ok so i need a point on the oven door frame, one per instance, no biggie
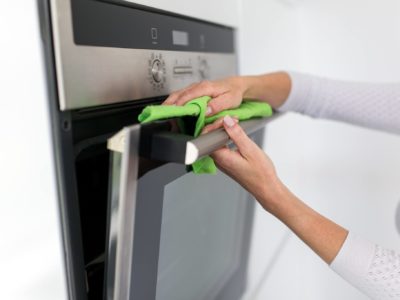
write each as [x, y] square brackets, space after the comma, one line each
[135, 215]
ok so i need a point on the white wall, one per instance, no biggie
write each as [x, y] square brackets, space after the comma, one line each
[349, 174]
[31, 259]
[267, 41]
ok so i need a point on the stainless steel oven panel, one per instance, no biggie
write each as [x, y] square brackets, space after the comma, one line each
[90, 76]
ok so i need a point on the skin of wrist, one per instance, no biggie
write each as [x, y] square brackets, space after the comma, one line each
[279, 201]
[273, 88]
[250, 84]
[243, 84]
[272, 194]
[282, 203]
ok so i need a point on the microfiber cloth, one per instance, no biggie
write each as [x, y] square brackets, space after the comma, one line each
[197, 108]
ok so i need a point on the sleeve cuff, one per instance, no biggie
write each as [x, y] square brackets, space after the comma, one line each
[301, 86]
[306, 96]
[353, 260]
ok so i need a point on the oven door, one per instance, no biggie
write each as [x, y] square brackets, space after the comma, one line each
[174, 234]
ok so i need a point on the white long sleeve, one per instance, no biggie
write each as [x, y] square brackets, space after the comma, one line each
[375, 271]
[370, 105]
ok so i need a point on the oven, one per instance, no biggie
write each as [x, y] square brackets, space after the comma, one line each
[137, 223]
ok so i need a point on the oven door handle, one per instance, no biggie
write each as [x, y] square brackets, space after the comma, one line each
[175, 147]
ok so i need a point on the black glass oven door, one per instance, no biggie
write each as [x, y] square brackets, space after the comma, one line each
[174, 234]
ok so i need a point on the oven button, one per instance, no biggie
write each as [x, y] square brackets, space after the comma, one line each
[204, 70]
[157, 70]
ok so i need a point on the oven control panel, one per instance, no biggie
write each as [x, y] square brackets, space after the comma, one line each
[138, 54]
[164, 72]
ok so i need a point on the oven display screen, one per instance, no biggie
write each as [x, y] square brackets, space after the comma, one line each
[180, 38]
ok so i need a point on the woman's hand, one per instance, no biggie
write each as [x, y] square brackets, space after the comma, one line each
[252, 169]
[225, 94]
[272, 88]
[248, 165]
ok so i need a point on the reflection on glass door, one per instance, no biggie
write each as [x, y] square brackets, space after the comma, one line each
[174, 235]
[201, 232]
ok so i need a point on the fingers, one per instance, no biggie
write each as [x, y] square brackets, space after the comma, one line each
[244, 144]
[230, 161]
[225, 93]
[220, 103]
[227, 159]
[204, 88]
[210, 127]
[175, 95]
[219, 123]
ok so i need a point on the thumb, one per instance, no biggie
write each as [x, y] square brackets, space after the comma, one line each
[244, 144]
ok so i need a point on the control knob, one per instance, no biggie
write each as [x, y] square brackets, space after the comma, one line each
[157, 70]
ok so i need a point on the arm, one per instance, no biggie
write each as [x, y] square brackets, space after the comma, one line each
[322, 235]
[370, 105]
[256, 173]
[273, 88]
[372, 269]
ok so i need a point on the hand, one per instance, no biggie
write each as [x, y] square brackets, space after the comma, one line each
[272, 88]
[253, 170]
[248, 165]
[225, 94]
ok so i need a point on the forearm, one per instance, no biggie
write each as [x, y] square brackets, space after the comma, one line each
[372, 269]
[322, 235]
[273, 88]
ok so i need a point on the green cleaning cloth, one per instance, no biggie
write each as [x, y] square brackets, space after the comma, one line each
[197, 108]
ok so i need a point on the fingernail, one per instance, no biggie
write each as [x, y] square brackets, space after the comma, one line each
[208, 111]
[229, 121]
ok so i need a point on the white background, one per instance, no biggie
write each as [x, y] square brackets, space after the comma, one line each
[31, 259]
[349, 174]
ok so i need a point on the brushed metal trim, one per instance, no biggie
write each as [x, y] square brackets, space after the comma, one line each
[90, 76]
[123, 207]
